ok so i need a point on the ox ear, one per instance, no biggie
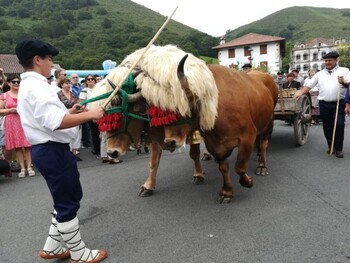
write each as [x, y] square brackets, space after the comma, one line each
[136, 97]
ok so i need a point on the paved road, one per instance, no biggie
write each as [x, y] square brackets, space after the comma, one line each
[299, 213]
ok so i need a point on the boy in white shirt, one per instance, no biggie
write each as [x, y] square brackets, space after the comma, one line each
[49, 126]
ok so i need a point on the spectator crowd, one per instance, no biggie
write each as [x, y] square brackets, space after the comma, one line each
[15, 151]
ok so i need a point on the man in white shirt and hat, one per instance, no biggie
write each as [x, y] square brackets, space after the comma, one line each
[332, 81]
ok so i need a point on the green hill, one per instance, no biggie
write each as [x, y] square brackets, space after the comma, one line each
[300, 24]
[87, 32]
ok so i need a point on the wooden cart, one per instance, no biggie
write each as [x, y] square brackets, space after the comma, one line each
[295, 112]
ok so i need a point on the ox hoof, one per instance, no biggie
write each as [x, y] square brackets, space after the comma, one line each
[224, 200]
[144, 192]
[261, 171]
[198, 180]
[246, 181]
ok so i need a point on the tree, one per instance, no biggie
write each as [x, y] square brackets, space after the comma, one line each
[106, 23]
[84, 15]
[344, 55]
[101, 11]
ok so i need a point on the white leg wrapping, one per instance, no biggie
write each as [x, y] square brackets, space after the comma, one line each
[54, 241]
[70, 233]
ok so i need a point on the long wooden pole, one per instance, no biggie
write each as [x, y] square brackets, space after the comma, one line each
[108, 100]
[335, 123]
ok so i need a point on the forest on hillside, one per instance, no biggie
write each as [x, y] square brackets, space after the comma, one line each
[87, 32]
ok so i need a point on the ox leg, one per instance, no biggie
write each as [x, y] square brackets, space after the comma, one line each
[226, 192]
[262, 164]
[264, 139]
[245, 149]
[198, 176]
[148, 187]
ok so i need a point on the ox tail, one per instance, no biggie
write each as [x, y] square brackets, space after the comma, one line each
[183, 80]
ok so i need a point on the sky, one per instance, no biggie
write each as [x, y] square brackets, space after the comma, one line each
[216, 17]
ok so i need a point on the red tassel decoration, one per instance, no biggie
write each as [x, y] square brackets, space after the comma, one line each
[110, 122]
[160, 117]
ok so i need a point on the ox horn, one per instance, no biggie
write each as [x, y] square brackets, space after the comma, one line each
[131, 97]
[183, 80]
[136, 73]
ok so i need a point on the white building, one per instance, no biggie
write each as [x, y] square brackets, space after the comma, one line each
[306, 56]
[261, 51]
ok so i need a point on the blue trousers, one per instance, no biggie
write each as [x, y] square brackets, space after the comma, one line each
[58, 166]
[327, 114]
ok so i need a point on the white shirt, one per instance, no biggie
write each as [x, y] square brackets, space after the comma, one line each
[328, 83]
[301, 80]
[85, 94]
[41, 111]
[307, 84]
[55, 87]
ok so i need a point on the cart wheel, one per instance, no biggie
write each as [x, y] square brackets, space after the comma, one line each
[302, 121]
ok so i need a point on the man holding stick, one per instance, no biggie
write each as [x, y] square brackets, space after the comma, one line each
[332, 81]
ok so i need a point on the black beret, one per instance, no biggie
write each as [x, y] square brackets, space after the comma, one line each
[247, 65]
[281, 72]
[295, 70]
[29, 48]
[332, 54]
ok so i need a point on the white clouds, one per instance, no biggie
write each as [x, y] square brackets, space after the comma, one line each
[216, 17]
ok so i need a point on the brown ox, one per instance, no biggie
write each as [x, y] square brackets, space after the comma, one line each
[120, 143]
[245, 111]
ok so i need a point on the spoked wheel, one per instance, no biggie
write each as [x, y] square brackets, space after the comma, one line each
[302, 121]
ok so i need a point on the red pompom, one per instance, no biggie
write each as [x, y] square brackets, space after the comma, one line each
[160, 117]
[110, 122]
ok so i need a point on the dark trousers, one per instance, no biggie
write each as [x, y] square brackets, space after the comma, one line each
[95, 137]
[58, 166]
[85, 134]
[327, 114]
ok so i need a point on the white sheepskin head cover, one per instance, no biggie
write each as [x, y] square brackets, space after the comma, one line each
[161, 87]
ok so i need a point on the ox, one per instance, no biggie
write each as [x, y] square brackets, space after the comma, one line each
[229, 108]
[245, 115]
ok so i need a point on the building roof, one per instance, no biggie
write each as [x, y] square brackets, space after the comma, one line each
[10, 64]
[249, 39]
[315, 41]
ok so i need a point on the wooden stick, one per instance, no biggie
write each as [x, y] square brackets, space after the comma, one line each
[108, 100]
[335, 123]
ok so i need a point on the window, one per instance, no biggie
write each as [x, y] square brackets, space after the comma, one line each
[264, 64]
[231, 53]
[305, 67]
[246, 51]
[297, 67]
[305, 56]
[297, 57]
[263, 49]
[315, 67]
[315, 56]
